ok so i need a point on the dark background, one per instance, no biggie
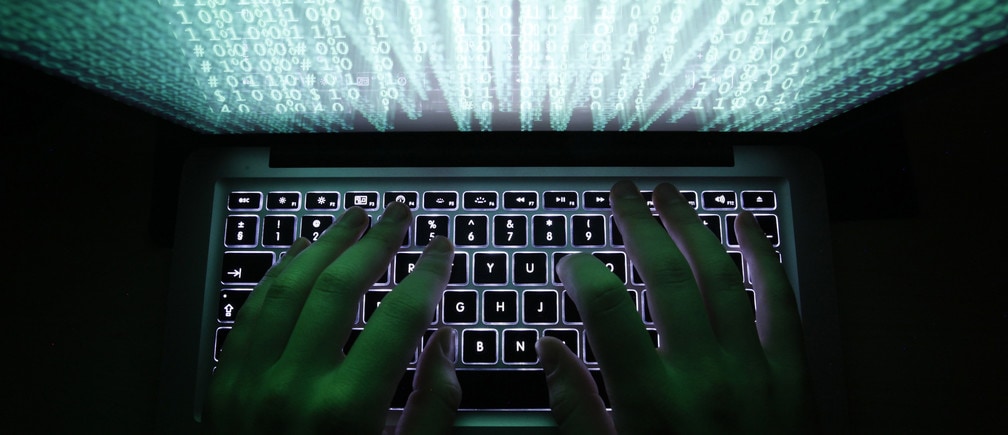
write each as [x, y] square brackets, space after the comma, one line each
[916, 194]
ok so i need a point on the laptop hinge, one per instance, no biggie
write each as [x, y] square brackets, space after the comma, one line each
[452, 149]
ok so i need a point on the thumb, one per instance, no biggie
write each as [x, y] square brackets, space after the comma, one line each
[436, 394]
[573, 395]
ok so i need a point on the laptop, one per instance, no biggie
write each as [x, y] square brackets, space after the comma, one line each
[502, 125]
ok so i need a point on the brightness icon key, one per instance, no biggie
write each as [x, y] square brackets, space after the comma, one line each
[322, 201]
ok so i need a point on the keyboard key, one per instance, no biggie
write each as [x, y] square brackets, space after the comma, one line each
[719, 200]
[713, 223]
[549, 230]
[241, 231]
[739, 263]
[245, 201]
[460, 269]
[569, 337]
[245, 267]
[767, 222]
[615, 262]
[495, 389]
[691, 198]
[570, 311]
[479, 346]
[635, 277]
[430, 226]
[539, 306]
[519, 346]
[617, 236]
[404, 264]
[521, 200]
[503, 389]
[759, 200]
[556, 259]
[372, 300]
[230, 302]
[752, 299]
[529, 268]
[648, 198]
[654, 337]
[490, 268]
[364, 200]
[440, 200]
[322, 201]
[312, 226]
[510, 230]
[279, 231]
[408, 198]
[479, 200]
[647, 307]
[500, 306]
[459, 306]
[289, 201]
[588, 230]
[471, 230]
[560, 200]
[596, 200]
[219, 338]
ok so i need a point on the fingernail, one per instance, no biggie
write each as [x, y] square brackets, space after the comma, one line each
[396, 212]
[352, 217]
[625, 189]
[299, 245]
[547, 355]
[448, 344]
[668, 193]
[439, 244]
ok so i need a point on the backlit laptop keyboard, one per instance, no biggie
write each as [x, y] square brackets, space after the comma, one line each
[503, 293]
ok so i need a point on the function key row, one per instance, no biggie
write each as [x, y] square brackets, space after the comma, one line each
[484, 200]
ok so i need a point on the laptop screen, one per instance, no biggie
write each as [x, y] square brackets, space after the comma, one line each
[282, 66]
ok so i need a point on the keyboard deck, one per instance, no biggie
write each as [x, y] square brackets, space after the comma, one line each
[503, 293]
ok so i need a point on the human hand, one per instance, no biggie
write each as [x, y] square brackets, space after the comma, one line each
[282, 368]
[715, 371]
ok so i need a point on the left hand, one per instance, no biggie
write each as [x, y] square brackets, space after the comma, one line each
[283, 369]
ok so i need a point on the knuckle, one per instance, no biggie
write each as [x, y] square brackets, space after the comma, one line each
[337, 278]
[286, 287]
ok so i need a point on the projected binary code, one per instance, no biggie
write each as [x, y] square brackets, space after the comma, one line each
[327, 65]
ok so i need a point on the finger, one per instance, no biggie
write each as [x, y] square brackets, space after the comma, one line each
[719, 280]
[618, 339]
[573, 394]
[238, 339]
[675, 301]
[777, 318]
[325, 320]
[280, 305]
[436, 395]
[379, 356]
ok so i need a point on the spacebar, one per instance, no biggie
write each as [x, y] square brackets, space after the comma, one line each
[503, 389]
[497, 389]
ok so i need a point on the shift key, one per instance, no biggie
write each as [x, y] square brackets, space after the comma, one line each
[245, 267]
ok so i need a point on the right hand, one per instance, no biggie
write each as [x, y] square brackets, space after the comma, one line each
[715, 369]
